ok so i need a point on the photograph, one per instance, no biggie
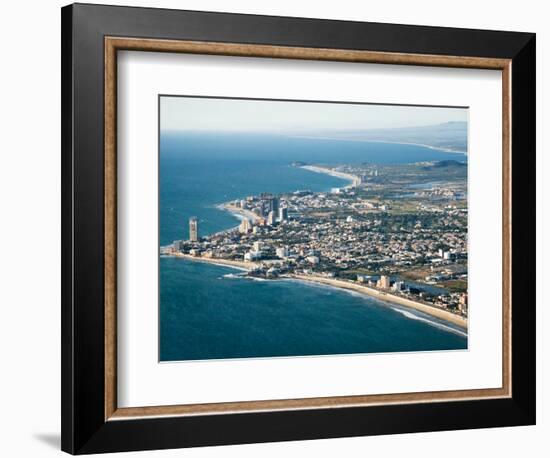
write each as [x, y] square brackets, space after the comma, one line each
[282, 226]
[300, 228]
[275, 229]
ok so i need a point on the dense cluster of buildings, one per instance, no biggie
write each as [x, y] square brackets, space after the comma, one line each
[344, 234]
[258, 211]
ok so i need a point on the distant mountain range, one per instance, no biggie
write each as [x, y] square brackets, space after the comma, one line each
[451, 135]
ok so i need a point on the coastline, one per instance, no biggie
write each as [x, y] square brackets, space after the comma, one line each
[342, 284]
[367, 140]
[239, 213]
[436, 148]
[355, 180]
[241, 265]
[388, 297]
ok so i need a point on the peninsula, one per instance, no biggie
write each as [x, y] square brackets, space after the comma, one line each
[395, 232]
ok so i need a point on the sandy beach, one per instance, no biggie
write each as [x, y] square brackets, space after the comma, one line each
[242, 265]
[355, 180]
[388, 297]
[342, 284]
[437, 148]
[240, 212]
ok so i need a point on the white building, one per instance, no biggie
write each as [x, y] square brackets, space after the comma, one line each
[282, 252]
[313, 259]
[252, 256]
[245, 227]
[384, 282]
[193, 229]
[398, 286]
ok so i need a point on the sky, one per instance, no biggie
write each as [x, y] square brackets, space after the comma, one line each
[238, 115]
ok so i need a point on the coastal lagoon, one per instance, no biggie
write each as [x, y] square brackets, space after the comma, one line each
[211, 312]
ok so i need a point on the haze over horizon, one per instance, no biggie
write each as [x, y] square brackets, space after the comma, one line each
[296, 117]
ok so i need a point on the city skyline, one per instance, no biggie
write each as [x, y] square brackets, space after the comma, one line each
[311, 228]
[347, 237]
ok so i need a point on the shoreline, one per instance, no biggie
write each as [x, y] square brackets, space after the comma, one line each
[342, 284]
[241, 265]
[366, 140]
[355, 180]
[384, 296]
[436, 148]
[387, 297]
[239, 213]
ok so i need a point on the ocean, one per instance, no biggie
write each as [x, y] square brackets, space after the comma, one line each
[210, 312]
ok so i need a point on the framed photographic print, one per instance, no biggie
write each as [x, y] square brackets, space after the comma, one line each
[282, 228]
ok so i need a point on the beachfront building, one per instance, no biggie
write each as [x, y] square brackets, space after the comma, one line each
[398, 286]
[193, 229]
[384, 282]
[250, 256]
[245, 227]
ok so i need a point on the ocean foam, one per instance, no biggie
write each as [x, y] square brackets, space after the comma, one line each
[433, 323]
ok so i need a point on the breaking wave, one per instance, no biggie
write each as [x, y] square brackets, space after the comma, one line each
[433, 323]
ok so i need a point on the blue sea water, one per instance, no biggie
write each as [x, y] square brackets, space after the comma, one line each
[208, 312]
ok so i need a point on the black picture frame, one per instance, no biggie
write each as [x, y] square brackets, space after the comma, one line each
[84, 427]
